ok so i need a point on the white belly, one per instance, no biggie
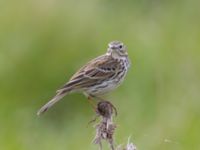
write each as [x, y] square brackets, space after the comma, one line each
[105, 87]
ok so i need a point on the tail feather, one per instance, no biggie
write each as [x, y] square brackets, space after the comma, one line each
[51, 103]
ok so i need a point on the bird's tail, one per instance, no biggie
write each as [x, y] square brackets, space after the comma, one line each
[54, 100]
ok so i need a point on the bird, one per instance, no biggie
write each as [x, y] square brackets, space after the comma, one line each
[98, 77]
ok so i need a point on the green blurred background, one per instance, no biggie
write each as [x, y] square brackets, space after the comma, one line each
[43, 42]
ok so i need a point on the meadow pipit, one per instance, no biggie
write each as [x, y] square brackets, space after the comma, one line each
[98, 76]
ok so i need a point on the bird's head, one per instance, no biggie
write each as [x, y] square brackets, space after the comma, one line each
[117, 49]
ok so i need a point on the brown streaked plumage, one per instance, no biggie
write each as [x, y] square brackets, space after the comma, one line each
[98, 76]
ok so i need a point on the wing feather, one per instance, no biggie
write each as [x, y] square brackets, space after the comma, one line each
[92, 73]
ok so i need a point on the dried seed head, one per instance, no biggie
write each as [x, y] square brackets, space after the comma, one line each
[105, 128]
[105, 109]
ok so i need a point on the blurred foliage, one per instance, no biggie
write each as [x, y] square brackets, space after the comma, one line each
[43, 42]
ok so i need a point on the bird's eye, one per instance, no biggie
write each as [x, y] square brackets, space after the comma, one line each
[120, 46]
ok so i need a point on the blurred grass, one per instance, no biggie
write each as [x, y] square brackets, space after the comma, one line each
[42, 43]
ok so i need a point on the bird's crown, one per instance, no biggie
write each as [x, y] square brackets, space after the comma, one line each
[117, 48]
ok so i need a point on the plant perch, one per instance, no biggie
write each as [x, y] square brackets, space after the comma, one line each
[105, 128]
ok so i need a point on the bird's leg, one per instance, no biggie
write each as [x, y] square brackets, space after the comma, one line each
[89, 98]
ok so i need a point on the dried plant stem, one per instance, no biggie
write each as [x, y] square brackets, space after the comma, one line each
[105, 129]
